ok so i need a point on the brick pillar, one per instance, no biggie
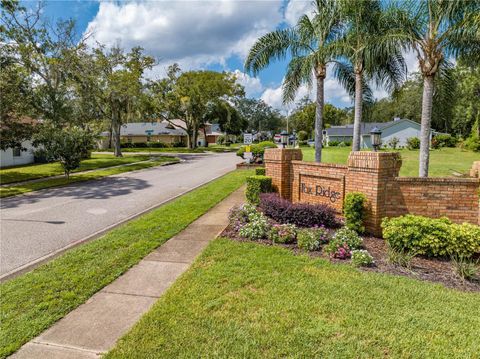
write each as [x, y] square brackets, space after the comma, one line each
[278, 165]
[475, 171]
[369, 173]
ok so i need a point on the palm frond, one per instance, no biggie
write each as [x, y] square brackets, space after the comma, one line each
[300, 71]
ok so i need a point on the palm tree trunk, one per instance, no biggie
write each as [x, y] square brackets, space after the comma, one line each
[319, 118]
[358, 112]
[427, 101]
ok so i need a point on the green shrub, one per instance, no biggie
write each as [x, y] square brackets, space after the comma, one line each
[361, 258]
[444, 140]
[257, 185]
[337, 248]
[283, 233]
[431, 237]
[256, 228]
[333, 143]
[302, 135]
[260, 171]
[473, 143]
[354, 211]
[465, 268]
[413, 143]
[308, 240]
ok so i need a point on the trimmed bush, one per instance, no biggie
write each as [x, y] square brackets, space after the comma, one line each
[354, 211]
[444, 140]
[283, 233]
[257, 185]
[431, 237]
[299, 214]
[260, 171]
[342, 243]
[308, 240]
[413, 143]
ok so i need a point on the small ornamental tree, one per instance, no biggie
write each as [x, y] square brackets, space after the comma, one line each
[67, 146]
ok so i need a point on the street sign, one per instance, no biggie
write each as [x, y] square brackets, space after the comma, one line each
[247, 138]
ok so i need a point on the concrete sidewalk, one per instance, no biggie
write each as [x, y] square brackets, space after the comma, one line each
[95, 326]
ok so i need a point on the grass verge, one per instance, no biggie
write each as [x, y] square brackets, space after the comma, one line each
[80, 177]
[443, 161]
[244, 300]
[31, 303]
[34, 171]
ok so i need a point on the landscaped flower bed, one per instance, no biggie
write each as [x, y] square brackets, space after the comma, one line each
[316, 230]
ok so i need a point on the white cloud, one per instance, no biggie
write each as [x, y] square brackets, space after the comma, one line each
[253, 85]
[295, 9]
[192, 33]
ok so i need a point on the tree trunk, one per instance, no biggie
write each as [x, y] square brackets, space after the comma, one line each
[357, 122]
[189, 140]
[110, 137]
[319, 119]
[116, 136]
[205, 135]
[427, 101]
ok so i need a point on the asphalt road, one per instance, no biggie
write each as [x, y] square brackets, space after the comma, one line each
[37, 225]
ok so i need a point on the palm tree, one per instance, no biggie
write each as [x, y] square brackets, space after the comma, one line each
[437, 30]
[309, 46]
[368, 49]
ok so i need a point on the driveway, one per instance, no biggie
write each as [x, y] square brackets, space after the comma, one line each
[37, 225]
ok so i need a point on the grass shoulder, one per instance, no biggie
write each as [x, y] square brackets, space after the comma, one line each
[32, 302]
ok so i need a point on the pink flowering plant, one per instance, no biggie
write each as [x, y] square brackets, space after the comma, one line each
[283, 233]
[343, 242]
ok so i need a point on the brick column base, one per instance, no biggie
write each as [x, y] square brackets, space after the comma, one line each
[278, 165]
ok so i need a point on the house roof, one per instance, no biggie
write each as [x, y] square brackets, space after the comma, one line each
[150, 128]
[366, 127]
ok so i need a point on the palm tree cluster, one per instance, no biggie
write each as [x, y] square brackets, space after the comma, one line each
[363, 41]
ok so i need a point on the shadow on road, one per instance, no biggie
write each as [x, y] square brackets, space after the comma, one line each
[98, 189]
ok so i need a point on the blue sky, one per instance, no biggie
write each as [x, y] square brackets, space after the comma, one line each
[196, 34]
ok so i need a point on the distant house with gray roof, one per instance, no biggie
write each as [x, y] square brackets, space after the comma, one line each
[402, 129]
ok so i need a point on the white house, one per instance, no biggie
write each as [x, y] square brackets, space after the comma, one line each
[402, 129]
[16, 157]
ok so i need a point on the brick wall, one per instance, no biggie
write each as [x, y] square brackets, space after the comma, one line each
[455, 198]
[319, 183]
[376, 175]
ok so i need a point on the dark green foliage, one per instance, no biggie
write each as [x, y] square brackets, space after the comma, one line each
[260, 171]
[444, 140]
[354, 211]
[431, 237]
[68, 146]
[413, 143]
[257, 185]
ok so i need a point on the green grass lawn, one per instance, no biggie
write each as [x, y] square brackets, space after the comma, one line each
[30, 172]
[32, 302]
[443, 162]
[14, 190]
[244, 300]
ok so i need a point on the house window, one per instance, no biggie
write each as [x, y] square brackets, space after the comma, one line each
[148, 138]
[129, 140]
[17, 152]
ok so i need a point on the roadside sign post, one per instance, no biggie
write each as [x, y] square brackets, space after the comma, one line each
[247, 140]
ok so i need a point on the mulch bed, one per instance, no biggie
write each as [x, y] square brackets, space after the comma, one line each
[426, 269]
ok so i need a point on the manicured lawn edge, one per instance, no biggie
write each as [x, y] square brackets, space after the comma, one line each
[15, 190]
[31, 303]
[242, 299]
